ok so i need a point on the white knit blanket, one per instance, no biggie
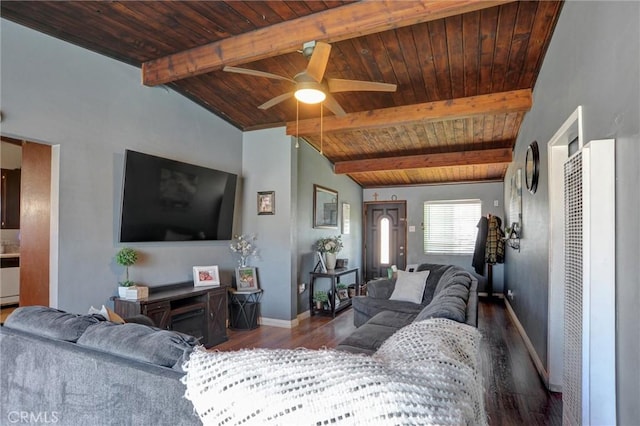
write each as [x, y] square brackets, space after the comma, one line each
[426, 373]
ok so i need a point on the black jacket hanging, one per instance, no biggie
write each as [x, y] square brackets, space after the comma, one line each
[481, 241]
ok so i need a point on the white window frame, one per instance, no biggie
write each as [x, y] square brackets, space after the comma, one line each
[452, 239]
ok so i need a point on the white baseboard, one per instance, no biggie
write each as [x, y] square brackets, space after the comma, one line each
[532, 352]
[284, 323]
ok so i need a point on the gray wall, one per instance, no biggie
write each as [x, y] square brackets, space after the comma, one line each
[415, 197]
[269, 165]
[313, 168]
[594, 61]
[94, 108]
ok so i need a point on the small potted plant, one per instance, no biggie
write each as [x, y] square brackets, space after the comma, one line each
[320, 297]
[126, 257]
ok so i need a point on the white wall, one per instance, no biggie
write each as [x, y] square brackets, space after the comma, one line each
[417, 195]
[593, 61]
[94, 108]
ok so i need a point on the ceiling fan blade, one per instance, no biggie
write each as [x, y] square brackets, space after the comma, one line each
[276, 100]
[331, 103]
[318, 62]
[340, 85]
[257, 73]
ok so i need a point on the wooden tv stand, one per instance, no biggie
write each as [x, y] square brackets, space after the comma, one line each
[198, 311]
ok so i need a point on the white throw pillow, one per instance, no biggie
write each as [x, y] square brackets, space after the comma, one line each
[410, 286]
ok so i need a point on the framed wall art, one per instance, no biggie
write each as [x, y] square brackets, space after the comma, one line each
[325, 208]
[204, 276]
[346, 218]
[266, 202]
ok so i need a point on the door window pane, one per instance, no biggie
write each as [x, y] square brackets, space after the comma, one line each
[384, 240]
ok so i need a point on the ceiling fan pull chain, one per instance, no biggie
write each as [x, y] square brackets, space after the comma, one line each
[321, 141]
[297, 119]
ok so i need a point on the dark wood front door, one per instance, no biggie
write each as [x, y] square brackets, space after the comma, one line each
[385, 237]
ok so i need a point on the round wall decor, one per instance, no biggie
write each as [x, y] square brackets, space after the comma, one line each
[532, 167]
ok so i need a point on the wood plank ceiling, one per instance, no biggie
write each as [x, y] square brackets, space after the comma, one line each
[465, 72]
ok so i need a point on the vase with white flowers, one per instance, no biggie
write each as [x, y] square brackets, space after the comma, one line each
[244, 245]
[330, 247]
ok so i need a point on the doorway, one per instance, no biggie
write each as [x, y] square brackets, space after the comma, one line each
[38, 223]
[385, 237]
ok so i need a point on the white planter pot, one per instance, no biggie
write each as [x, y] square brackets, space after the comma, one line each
[122, 292]
[330, 260]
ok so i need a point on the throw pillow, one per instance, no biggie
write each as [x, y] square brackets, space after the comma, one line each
[50, 322]
[410, 286]
[140, 342]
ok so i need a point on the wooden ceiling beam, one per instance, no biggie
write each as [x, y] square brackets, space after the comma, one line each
[453, 109]
[332, 25]
[461, 158]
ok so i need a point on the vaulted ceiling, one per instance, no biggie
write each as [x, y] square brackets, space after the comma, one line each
[464, 70]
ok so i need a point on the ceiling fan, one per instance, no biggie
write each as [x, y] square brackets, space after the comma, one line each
[310, 85]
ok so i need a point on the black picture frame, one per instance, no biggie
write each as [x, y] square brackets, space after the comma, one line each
[266, 202]
[532, 167]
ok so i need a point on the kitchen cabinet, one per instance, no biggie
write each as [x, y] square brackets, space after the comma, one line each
[10, 193]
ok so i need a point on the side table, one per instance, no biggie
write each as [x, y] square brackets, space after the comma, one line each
[244, 306]
[334, 276]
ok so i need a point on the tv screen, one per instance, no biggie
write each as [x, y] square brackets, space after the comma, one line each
[167, 200]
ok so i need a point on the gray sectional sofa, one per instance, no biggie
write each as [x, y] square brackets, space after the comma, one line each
[450, 292]
[69, 369]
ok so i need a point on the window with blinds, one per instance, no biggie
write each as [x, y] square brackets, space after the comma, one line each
[450, 227]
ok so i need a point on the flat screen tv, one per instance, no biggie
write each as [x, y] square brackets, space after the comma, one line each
[167, 200]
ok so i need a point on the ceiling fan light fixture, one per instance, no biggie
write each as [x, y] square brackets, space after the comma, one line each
[310, 95]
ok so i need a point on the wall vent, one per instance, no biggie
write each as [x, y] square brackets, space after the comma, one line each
[573, 246]
[589, 385]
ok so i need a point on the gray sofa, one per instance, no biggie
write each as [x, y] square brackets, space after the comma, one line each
[450, 292]
[72, 369]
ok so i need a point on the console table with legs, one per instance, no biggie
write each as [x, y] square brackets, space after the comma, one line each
[198, 311]
[334, 276]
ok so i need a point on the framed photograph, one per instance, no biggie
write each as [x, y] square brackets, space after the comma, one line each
[204, 276]
[343, 294]
[246, 279]
[346, 218]
[325, 208]
[266, 202]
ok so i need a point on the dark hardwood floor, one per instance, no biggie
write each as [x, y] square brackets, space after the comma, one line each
[514, 393]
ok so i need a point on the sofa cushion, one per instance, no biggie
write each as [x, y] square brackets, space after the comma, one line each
[371, 307]
[449, 303]
[369, 337]
[366, 339]
[396, 320]
[410, 286]
[435, 278]
[140, 342]
[50, 322]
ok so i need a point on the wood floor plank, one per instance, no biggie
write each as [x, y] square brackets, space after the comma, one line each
[514, 393]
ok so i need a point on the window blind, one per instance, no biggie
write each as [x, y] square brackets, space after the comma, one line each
[450, 227]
